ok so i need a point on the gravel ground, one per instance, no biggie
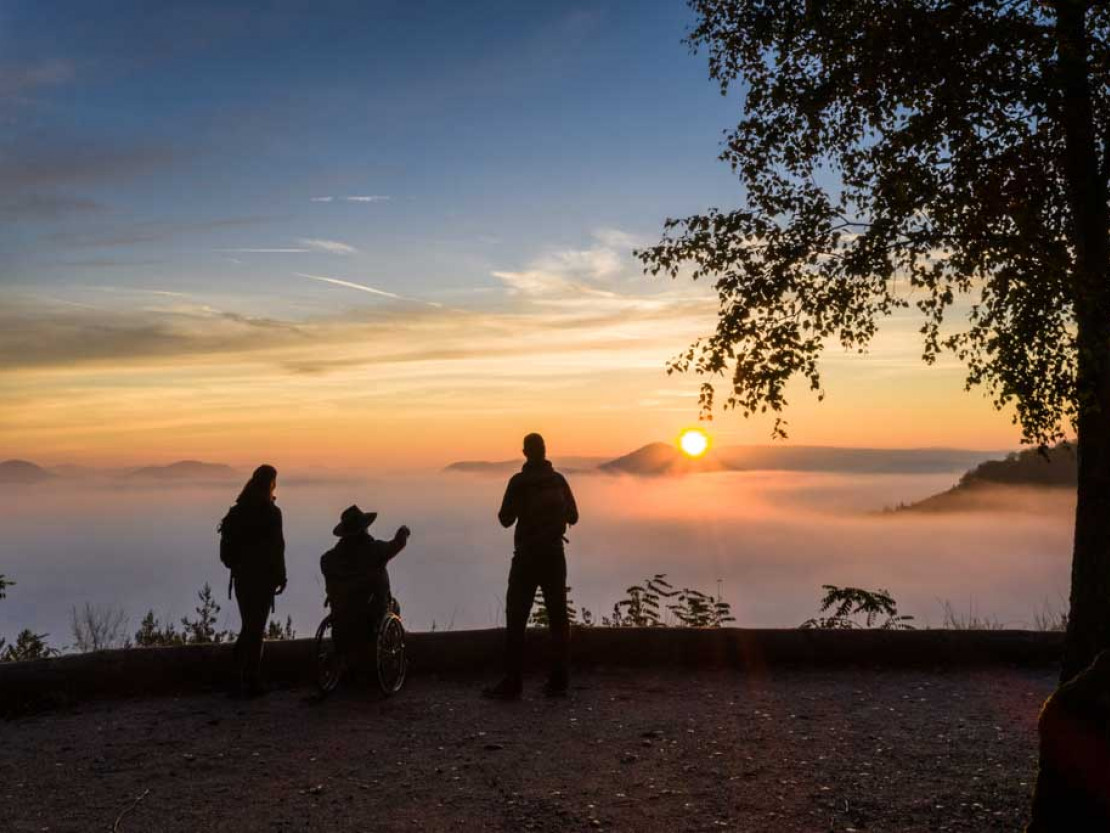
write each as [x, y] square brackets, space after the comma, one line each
[659, 750]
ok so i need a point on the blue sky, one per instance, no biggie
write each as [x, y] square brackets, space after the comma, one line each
[147, 139]
[407, 228]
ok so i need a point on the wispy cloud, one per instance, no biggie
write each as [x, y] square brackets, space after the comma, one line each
[331, 247]
[306, 245]
[594, 271]
[267, 251]
[364, 288]
[354, 198]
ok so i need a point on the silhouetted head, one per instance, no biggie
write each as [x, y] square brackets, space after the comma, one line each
[534, 448]
[260, 488]
[354, 521]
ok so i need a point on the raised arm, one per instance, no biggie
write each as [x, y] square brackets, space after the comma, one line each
[393, 548]
[508, 513]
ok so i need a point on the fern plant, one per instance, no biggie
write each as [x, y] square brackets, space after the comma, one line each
[854, 607]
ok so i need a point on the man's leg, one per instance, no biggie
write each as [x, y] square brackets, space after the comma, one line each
[554, 586]
[518, 605]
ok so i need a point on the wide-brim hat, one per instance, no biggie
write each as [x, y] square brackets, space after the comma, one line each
[353, 521]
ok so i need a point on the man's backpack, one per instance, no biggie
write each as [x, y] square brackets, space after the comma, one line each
[231, 538]
[546, 507]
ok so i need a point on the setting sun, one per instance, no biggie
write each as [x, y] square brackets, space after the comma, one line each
[694, 442]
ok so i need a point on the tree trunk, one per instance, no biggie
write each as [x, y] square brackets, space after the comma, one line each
[1068, 787]
[1089, 618]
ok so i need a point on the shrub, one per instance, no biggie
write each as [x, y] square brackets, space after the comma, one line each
[277, 630]
[876, 607]
[28, 646]
[97, 628]
[203, 630]
[151, 634]
[640, 608]
[539, 618]
[695, 609]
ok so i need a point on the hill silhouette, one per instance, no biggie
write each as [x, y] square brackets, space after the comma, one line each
[988, 485]
[22, 471]
[185, 470]
[507, 467]
[658, 459]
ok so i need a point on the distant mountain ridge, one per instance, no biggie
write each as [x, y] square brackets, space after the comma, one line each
[185, 470]
[660, 459]
[980, 487]
[663, 459]
[564, 464]
[22, 471]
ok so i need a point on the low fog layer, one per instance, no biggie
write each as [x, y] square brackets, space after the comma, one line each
[771, 538]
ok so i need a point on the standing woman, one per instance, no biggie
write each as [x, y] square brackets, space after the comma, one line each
[253, 547]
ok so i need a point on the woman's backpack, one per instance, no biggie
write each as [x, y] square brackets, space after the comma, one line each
[231, 538]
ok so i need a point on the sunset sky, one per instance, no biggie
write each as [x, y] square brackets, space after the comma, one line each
[376, 233]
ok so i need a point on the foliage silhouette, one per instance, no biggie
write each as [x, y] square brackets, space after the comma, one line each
[96, 628]
[641, 606]
[277, 630]
[919, 154]
[970, 621]
[151, 633]
[848, 604]
[203, 630]
[695, 609]
[28, 646]
[539, 617]
[646, 605]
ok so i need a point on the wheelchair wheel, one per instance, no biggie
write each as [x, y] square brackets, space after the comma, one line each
[390, 654]
[329, 664]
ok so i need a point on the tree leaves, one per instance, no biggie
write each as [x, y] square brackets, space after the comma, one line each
[892, 155]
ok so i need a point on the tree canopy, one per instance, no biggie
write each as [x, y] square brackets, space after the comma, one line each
[894, 154]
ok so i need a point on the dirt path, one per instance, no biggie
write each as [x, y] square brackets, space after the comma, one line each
[793, 751]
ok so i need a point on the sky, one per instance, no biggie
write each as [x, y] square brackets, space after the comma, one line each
[377, 234]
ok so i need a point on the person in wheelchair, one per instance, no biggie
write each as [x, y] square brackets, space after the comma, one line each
[357, 580]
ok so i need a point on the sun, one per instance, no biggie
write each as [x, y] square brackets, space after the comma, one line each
[694, 442]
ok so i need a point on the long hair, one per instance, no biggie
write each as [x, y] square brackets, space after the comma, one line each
[257, 489]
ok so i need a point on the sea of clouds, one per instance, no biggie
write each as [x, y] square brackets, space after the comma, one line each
[766, 540]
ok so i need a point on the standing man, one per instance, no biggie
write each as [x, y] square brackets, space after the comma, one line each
[539, 501]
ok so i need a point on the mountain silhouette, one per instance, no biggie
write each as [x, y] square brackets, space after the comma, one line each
[659, 459]
[22, 471]
[185, 470]
[985, 486]
[567, 465]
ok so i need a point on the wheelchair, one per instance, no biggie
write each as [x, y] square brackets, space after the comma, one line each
[389, 665]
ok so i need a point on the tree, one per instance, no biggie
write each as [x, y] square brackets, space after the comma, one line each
[953, 157]
[28, 646]
[96, 628]
[203, 630]
[278, 631]
[151, 633]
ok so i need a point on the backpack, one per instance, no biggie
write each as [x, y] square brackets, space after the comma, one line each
[545, 507]
[231, 538]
